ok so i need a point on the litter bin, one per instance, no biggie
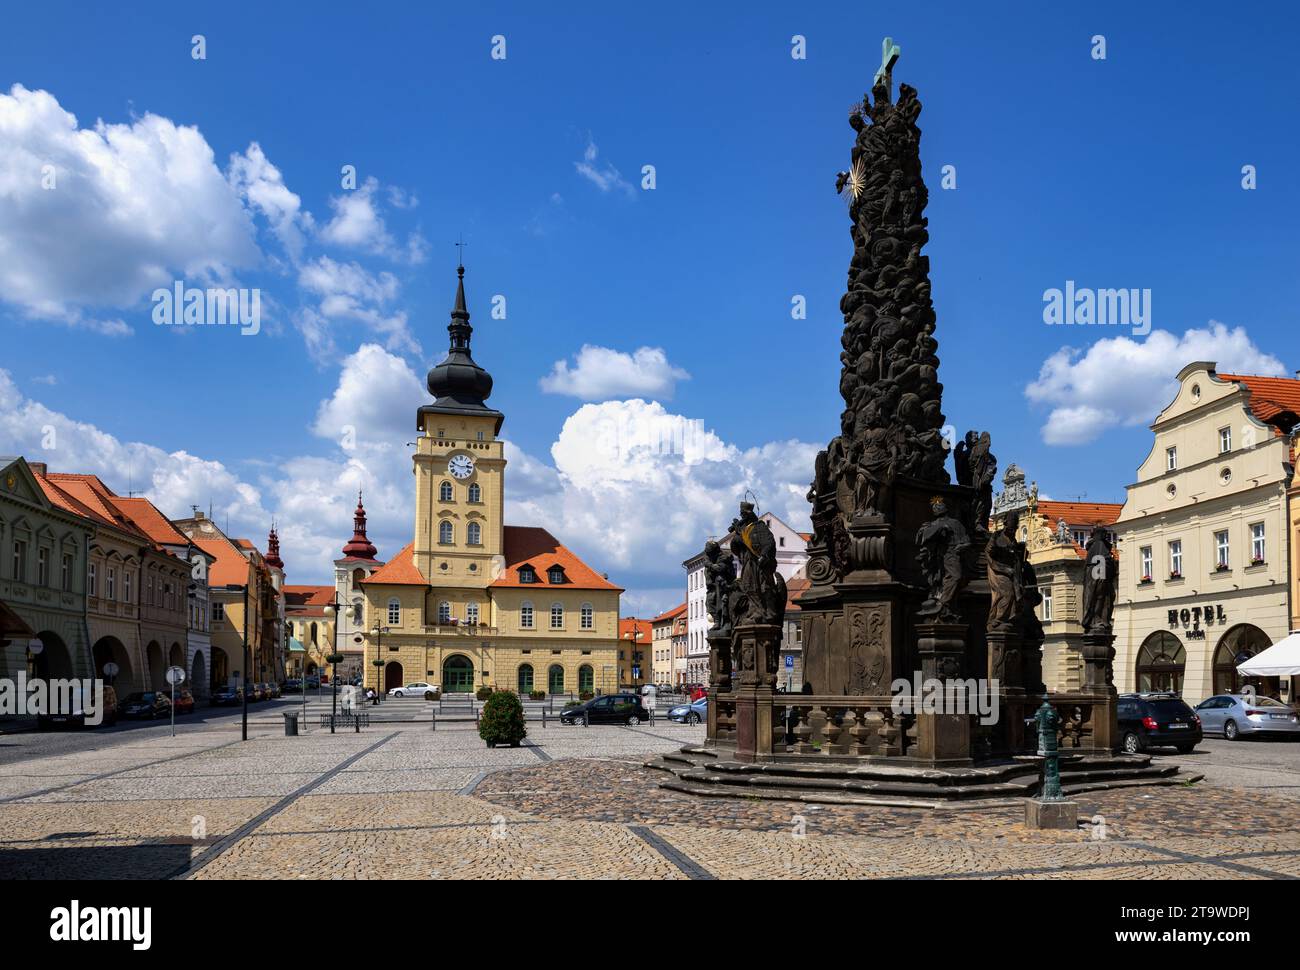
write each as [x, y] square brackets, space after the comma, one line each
[291, 725]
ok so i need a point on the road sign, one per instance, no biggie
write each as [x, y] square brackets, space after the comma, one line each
[175, 675]
[789, 662]
[111, 669]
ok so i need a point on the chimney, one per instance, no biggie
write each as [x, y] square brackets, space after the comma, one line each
[38, 468]
[199, 516]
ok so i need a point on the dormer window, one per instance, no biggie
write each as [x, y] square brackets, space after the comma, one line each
[527, 574]
[555, 575]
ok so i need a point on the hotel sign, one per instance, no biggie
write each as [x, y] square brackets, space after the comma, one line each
[1191, 618]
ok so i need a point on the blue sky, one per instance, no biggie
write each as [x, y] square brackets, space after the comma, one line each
[1122, 172]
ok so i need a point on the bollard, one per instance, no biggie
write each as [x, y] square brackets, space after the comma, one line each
[586, 718]
[356, 719]
[433, 721]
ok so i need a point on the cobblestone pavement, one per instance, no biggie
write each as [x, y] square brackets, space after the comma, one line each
[398, 800]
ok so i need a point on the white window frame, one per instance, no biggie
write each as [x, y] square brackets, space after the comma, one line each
[1225, 440]
[1176, 557]
[471, 613]
[446, 533]
[526, 615]
[446, 493]
[1171, 459]
[1147, 558]
[394, 611]
[474, 534]
[1222, 549]
[444, 612]
[557, 616]
[1258, 543]
[475, 493]
[1046, 592]
[588, 615]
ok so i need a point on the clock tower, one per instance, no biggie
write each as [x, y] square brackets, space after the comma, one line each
[459, 468]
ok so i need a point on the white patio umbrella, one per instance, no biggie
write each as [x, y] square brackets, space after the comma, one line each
[1280, 660]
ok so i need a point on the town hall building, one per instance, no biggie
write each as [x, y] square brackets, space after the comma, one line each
[471, 602]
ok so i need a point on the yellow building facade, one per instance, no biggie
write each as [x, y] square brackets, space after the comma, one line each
[472, 602]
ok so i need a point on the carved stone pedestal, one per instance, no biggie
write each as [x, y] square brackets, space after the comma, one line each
[942, 738]
[1042, 814]
[719, 681]
[1005, 674]
[756, 651]
[1098, 680]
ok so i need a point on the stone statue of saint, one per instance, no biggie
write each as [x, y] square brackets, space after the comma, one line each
[759, 594]
[1100, 579]
[719, 581]
[941, 545]
[1006, 568]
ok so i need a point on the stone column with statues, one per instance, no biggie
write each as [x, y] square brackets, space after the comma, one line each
[1100, 582]
[1006, 560]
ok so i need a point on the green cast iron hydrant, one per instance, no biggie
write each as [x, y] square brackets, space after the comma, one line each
[1048, 721]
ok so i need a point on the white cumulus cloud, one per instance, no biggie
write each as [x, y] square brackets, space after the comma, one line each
[599, 373]
[1121, 382]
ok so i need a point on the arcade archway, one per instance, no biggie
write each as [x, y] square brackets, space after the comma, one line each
[1160, 663]
[111, 650]
[458, 675]
[1236, 646]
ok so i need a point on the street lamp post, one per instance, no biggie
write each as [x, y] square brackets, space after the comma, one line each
[379, 632]
[338, 611]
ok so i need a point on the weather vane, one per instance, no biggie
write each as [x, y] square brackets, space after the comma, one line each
[460, 250]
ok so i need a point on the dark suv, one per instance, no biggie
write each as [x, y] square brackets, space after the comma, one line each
[1157, 720]
[608, 709]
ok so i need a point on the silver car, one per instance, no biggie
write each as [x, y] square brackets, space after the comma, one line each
[1234, 715]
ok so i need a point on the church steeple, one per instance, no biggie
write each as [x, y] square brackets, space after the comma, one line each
[272, 557]
[458, 384]
[359, 547]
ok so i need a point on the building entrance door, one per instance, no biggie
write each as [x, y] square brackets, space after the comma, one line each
[458, 675]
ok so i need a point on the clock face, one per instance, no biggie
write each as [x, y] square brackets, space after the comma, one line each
[461, 466]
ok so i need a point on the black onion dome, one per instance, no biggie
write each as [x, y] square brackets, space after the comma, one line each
[459, 385]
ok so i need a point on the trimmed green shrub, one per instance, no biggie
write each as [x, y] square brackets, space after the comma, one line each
[537, 695]
[502, 720]
[484, 693]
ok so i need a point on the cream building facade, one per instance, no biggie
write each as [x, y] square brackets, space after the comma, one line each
[1203, 536]
[472, 602]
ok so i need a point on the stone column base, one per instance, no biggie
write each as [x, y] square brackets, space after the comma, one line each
[1041, 814]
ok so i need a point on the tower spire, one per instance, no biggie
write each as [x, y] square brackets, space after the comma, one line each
[459, 385]
[359, 547]
[272, 557]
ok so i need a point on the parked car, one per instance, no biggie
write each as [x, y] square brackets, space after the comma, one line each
[692, 713]
[312, 681]
[291, 686]
[1157, 720]
[77, 716]
[417, 688]
[1235, 715]
[225, 696]
[184, 702]
[608, 709]
[146, 704]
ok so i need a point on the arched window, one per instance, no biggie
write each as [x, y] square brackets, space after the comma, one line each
[475, 493]
[359, 612]
[557, 616]
[586, 682]
[444, 492]
[1236, 646]
[526, 616]
[313, 633]
[555, 680]
[1160, 663]
[524, 680]
[444, 612]
[471, 614]
[588, 616]
[444, 532]
[394, 612]
[474, 534]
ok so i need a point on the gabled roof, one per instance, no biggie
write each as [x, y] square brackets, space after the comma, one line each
[1080, 513]
[230, 567]
[672, 614]
[307, 600]
[1272, 399]
[527, 546]
[630, 626]
[149, 520]
[91, 498]
[794, 588]
[398, 571]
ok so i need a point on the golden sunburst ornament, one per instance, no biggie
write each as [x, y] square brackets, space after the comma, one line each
[855, 182]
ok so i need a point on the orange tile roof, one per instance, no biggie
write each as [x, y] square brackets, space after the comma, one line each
[672, 614]
[629, 626]
[1081, 513]
[149, 520]
[1270, 397]
[231, 566]
[94, 496]
[524, 545]
[398, 571]
[307, 600]
[795, 588]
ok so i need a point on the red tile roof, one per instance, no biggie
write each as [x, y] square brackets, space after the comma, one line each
[672, 614]
[307, 600]
[231, 566]
[1270, 397]
[795, 588]
[1080, 513]
[398, 571]
[150, 521]
[629, 626]
[538, 548]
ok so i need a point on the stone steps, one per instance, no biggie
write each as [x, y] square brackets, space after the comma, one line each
[700, 771]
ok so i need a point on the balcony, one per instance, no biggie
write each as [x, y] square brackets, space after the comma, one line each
[460, 629]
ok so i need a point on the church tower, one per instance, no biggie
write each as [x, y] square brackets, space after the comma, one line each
[459, 467]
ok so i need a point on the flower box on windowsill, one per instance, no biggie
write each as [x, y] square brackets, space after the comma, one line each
[1146, 581]
[1258, 562]
[1222, 567]
[1173, 576]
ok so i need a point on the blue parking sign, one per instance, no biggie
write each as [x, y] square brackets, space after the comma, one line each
[789, 662]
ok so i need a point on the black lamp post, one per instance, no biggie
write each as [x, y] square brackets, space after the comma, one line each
[339, 611]
[379, 632]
